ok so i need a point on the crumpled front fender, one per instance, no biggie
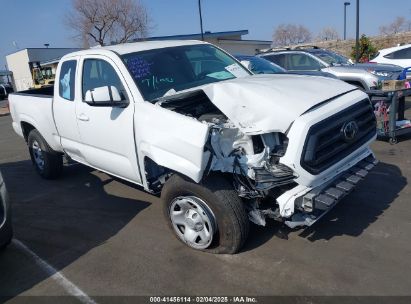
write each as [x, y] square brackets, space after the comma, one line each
[171, 140]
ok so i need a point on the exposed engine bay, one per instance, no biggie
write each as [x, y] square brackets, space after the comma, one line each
[253, 160]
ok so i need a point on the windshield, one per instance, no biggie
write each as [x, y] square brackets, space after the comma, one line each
[331, 58]
[168, 70]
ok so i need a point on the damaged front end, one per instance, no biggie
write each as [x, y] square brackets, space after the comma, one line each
[286, 156]
[252, 160]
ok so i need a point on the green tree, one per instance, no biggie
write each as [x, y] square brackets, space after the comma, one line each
[367, 49]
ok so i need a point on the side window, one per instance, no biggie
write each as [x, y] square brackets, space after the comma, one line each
[302, 62]
[99, 73]
[277, 59]
[66, 79]
[402, 54]
[389, 56]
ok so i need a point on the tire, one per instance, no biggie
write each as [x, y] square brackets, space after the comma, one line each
[225, 217]
[47, 162]
[6, 229]
[9, 236]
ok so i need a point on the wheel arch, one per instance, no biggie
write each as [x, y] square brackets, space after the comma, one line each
[26, 127]
[156, 175]
[156, 158]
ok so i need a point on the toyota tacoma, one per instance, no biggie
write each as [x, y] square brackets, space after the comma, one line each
[186, 120]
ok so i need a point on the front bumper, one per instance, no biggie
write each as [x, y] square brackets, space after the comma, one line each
[313, 205]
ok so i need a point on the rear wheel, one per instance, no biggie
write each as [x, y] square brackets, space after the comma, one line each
[208, 216]
[47, 162]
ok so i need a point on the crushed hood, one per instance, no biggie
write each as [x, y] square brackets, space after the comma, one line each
[270, 103]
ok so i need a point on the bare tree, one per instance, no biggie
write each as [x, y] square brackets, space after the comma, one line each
[397, 26]
[384, 30]
[303, 34]
[282, 35]
[328, 33]
[286, 34]
[104, 21]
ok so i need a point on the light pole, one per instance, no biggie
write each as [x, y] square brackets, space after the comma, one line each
[345, 19]
[201, 20]
[357, 34]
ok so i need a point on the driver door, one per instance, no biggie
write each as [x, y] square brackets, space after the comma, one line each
[107, 129]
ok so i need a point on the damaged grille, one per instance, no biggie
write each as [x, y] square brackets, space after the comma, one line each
[336, 137]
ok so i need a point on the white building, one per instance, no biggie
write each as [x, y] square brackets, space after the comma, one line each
[22, 62]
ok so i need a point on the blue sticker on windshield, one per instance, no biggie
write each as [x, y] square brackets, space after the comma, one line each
[139, 67]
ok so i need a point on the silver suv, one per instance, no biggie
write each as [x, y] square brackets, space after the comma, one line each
[365, 76]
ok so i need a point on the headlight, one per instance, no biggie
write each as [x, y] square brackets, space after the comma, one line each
[381, 73]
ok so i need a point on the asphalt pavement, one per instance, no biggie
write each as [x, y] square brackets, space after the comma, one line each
[108, 238]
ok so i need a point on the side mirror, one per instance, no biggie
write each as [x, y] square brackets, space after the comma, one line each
[107, 96]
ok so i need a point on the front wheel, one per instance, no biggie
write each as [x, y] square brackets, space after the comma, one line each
[208, 216]
[393, 141]
[47, 162]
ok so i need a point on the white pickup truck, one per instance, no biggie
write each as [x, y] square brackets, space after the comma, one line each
[187, 120]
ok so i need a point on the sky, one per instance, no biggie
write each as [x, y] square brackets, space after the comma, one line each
[31, 23]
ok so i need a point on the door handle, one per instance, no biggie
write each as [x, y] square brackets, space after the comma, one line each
[83, 117]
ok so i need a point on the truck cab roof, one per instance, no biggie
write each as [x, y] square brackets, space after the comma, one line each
[127, 48]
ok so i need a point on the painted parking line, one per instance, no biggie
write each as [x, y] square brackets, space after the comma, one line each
[55, 275]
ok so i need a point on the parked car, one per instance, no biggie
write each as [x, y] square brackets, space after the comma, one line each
[187, 119]
[5, 216]
[364, 76]
[259, 65]
[5, 90]
[382, 71]
[399, 55]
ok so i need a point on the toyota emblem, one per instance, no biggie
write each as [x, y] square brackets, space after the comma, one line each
[349, 131]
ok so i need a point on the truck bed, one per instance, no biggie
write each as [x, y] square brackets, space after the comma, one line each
[34, 109]
[45, 91]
